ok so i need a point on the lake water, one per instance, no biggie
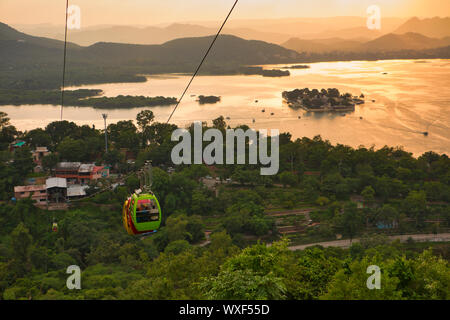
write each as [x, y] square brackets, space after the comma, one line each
[411, 97]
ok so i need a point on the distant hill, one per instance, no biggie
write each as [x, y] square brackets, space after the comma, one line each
[153, 34]
[253, 34]
[10, 34]
[355, 33]
[318, 28]
[269, 30]
[407, 41]
[432, 27]
[228, 50]
[33, 63]
[135, 35]
[322, 45]
[387, 43]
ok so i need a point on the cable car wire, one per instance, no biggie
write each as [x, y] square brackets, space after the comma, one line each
[181, 98]
[123, 179]
[203, 60]
[64, 62]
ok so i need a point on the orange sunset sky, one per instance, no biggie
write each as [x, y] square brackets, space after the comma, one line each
[151, 12]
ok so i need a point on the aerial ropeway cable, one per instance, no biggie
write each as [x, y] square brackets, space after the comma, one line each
[203, 60]
[141, 212]
[64, 61]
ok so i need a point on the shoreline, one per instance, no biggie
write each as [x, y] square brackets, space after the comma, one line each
[237, 103]
[185, 122]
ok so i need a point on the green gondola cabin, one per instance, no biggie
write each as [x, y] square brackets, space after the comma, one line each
[141, 214]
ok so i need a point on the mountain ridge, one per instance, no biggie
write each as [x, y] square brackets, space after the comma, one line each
[431, 27]
[159, 35]
[7, 33]
[30, 62]
[388, 42]
[269, 30]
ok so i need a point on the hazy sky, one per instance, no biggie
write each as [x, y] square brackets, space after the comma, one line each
[150, 12]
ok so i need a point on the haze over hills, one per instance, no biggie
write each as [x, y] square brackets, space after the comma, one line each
[431, 27]
[10, 34]
[149, 35]
[309, 28]
[414, 34]
[389, 42]
[158, 35]
[269, 30]
[407, 41]
[355, 33]
[322, 45]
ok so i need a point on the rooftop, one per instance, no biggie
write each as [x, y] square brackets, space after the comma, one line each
[31, 188]
[98, 168]
[41, 149]
[76, 191]
[56, 183]
[88, 167]
[18, 143]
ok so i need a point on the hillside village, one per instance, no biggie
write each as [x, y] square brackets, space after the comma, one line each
[68, 180]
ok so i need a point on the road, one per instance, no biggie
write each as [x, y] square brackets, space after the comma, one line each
[440, 237]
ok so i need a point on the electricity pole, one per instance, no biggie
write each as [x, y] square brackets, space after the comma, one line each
[105, 116]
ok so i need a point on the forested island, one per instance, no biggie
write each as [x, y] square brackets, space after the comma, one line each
[321, 101]
[208, 99]
[208, 245]
[80, 98]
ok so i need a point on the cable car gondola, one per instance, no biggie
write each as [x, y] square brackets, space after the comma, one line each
[141, 213]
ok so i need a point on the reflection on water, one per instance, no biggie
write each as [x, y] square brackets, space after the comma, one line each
[410, 96]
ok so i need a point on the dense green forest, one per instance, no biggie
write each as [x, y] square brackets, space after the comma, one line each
[180, 261]
[117, 266]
